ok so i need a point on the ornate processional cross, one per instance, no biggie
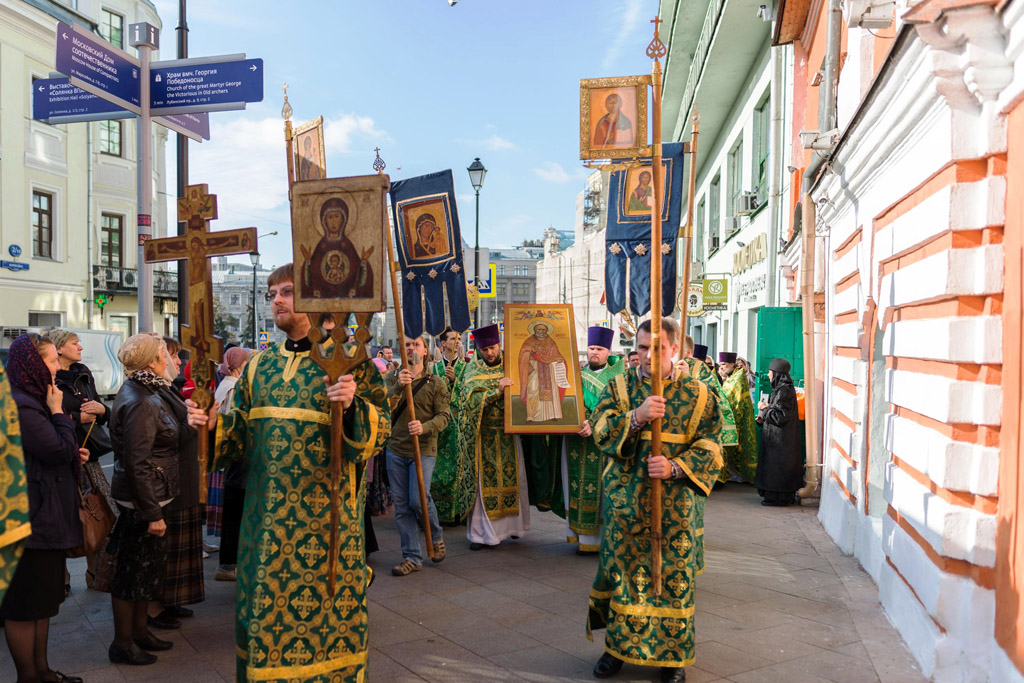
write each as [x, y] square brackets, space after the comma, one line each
[196, 209]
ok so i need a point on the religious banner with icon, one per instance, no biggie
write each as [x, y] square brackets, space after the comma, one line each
[613, 117]
[628, 235]
[310, 156]
[546, 396]
[338, 244]
[429, 245]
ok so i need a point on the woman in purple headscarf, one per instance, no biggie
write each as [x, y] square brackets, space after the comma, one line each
[53, 463]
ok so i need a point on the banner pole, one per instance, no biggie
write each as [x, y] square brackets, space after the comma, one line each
[688, 234]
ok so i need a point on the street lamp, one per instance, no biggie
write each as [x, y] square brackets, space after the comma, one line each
[476, 177]
[255, 258]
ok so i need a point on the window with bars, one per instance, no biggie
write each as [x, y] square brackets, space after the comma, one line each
[762, 117]
[42, 224]
[734, 170]
[111, 240]
[110, 138]
[715, 199]
[112, 27]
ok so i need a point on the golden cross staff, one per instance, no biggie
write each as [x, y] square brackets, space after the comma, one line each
[393, 267]
[339, 362]
[688, 231]
[286, 114]
[196, 209]
[656, 50]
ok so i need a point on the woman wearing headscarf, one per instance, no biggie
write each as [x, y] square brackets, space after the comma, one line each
[780, 464]
[184, 515]
[235, 474]
[83, 405]
[148, 426]
[52, 465]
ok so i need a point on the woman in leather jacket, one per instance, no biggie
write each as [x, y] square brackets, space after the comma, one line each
[148, 424]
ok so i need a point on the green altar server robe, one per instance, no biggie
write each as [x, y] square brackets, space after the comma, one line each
[14, 524]
[741, 455]
[641, 628]
[287, 626]
[450, 488]
[584, 460]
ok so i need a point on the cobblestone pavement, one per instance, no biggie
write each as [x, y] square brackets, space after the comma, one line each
[778, 602]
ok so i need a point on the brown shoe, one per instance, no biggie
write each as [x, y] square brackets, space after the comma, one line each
[439, 551]
[407, 567]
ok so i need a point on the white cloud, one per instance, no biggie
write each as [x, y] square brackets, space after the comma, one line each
[628, 22]
[554, 173]
[496, 143]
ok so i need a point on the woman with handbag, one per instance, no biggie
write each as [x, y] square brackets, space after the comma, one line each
[52, 464]
[147, 424]
[83, 405]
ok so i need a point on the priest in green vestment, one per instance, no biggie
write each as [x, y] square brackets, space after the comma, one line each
[581, 459]
[741, 456]
[501, 505]
[287, 626]
[14, 522]
[642, 628]
[451, 490]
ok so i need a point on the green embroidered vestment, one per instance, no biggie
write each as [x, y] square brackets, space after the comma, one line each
[287, 627]
[741, 456]
[641, 628]
[452, 486]
[14, 522]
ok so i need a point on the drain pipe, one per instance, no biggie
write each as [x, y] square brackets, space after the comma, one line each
[775, 157]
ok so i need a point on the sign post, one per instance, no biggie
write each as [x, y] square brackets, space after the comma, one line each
[146, 38]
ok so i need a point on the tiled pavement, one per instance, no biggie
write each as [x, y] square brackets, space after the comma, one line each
[778, 602]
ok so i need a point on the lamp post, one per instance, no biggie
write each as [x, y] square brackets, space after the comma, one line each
[476, 177]
[255, 258]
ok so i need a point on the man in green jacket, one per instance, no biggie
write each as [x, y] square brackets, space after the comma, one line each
[430, 400]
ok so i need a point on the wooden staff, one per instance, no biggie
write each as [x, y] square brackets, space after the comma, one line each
[688, 232]
[655, 51]
[286, 114]
[393, 267]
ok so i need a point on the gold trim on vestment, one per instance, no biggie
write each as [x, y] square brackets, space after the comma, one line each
[602, 595]
[689, 473]
[296, 414]
[709, 445]
[370, 442]
[648, 611]
[586, 547]
[667, 437]
[306, 671]
[650, 662]
[16, 534]
[698, 411]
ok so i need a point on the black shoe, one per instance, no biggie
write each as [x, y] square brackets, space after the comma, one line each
[153, 644]
[179, 612]
[63, 678]
[476, 546]
[583, 553]
[671, 674]
[163, 621]
[134, 656]
[607, 666]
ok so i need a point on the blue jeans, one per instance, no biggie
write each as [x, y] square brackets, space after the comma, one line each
[405, 491]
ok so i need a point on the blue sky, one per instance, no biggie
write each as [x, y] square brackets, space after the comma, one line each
[433, 86]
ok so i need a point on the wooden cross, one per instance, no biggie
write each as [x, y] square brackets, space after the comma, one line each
[196, 209]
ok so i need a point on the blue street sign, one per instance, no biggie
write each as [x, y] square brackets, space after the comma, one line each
[54, 99]
[195, 126]
[215, 86]
[95, 65]
[13, 265]
[14, 250]
[263, 336]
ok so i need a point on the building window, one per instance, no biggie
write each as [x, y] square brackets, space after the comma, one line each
[715, 199]
[735, 178]
[112, 28]
[698, 231]
[42, 224]
[501, 270]
[762, 117]
[234, 299]
[520, 288]
[501, 289]
[110, 138]
[111, 240]
[45, 319]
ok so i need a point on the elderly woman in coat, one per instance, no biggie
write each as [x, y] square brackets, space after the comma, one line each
[780, 464]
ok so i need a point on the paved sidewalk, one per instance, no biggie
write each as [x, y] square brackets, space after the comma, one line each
[778, 602]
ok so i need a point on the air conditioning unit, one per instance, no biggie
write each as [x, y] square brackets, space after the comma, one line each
[14, 332]
[98, 283]
[696, 269]
[748, 204]
[870, 14]
[110, 275]
[714, 243]
[130, 278]
[734, 227]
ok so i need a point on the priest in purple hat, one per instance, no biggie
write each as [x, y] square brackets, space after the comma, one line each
[582, 461]
[492, 460]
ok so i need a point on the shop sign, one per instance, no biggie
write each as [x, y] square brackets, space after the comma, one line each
[716, 294]
[750, 254]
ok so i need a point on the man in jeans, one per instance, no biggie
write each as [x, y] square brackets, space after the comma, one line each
[430, 398]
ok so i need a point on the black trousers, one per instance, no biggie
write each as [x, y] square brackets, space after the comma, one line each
[234, 502]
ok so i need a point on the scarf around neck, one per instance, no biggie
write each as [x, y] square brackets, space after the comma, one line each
[149, 378]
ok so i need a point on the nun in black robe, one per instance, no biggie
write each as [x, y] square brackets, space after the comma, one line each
[780, 462]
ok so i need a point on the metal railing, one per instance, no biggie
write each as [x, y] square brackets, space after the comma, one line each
[126, 281]
[700, 55]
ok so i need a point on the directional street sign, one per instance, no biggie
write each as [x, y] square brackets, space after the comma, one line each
[183, 86]
[95, 65]
[55, 100]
